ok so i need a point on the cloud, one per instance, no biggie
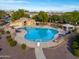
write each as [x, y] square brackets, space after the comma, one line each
[58, 8]
[39, 8]
[32, 6]
[71, 6]
[14, 1]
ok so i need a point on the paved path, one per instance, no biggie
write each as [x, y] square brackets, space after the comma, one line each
[15, 52]
[60, 52]
[39, 53]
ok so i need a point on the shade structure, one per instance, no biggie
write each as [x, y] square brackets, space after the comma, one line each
[68, 26]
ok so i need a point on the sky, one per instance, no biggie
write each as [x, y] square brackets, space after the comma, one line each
[40, 5]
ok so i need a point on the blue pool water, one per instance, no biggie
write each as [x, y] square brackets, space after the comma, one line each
[40, 34]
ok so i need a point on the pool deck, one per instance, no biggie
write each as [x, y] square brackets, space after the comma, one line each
[59, 52]
[20, 39]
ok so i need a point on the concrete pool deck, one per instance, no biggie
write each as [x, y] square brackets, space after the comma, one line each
[20, 39]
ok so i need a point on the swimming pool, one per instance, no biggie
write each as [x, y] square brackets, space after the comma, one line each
[39, 34]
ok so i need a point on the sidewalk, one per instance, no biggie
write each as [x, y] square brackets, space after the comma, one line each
[39, 53]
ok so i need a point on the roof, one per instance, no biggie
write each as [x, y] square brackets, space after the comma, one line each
[68, 25]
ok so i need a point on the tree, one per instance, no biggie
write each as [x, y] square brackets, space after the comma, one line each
[2, 14]
[42, 16]
[18, 14]
[72, 17]
[36, 17]
[54, 18]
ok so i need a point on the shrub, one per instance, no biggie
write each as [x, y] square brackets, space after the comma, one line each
[76, 52]
[8, 32]
[8, 37]
[75, 46]
[23, 46]
[9, 40]
[2, 31]
[12, 43]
